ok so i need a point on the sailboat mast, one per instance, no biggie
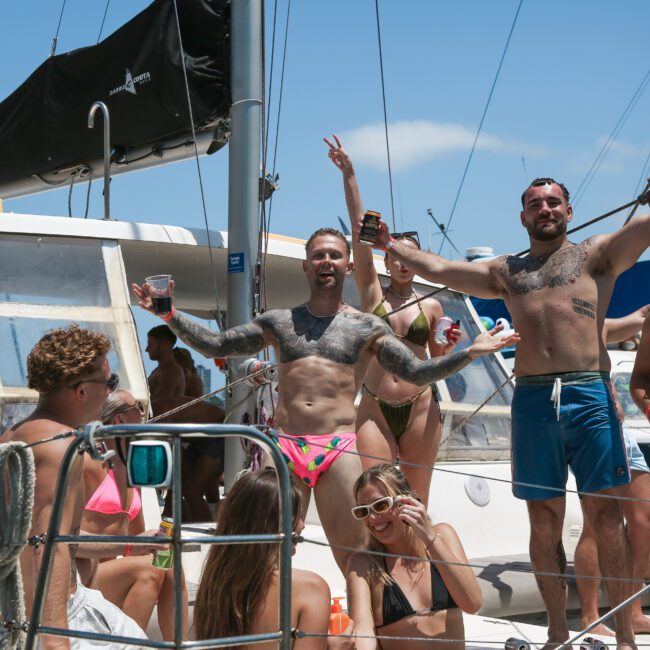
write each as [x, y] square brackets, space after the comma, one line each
[243, 196]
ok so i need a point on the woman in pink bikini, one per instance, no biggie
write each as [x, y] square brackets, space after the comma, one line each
[395, 419]
[113, 508]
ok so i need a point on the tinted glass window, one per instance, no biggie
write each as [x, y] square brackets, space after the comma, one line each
[55, 271]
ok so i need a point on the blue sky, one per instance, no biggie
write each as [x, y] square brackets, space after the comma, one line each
[569, 73]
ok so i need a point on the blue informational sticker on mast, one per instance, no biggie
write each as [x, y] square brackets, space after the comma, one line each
[235, 262]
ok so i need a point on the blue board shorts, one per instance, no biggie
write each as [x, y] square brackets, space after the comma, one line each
[566, 420]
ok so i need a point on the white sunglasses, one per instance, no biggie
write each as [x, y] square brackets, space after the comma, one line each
[379, 507]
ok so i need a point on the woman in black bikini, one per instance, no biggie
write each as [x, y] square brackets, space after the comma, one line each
[395, 418]
[397, 597]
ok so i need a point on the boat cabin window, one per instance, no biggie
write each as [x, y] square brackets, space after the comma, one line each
[52, 271]
[48, 282]
[621, 381]
[485, 436]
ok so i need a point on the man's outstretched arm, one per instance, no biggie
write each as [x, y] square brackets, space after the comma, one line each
[236, 341]
[399, 360]
[640, 381]
[476, 279]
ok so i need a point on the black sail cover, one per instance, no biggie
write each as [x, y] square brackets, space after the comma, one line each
[137, 72]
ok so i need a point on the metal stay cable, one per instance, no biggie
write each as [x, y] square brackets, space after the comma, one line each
[645, 193]
[101, 27]
[436, 468]
[643, 198]
[591, 172]
[55, 39]
[383, 97]
[276, 140]
[480, 126]
[198, 167]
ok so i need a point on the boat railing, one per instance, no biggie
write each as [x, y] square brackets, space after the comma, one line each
[86, 441]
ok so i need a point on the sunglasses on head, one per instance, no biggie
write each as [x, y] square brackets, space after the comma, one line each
[129, 407]
[112, 382]
[379, 507]
[409, 234]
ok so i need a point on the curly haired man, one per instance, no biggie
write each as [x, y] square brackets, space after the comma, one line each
[69, 369]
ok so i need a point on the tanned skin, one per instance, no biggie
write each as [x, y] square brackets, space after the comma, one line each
[323, 349]
[558, 296]
[57, 412]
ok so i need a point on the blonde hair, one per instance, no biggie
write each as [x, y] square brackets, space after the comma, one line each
[64, 355]
[393, 483]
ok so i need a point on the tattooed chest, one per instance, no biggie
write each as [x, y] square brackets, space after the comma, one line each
[561, 268]
[340, 338]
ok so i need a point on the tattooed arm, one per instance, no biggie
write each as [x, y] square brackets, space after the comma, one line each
[236, 341]
[395, 357]
[475, 279]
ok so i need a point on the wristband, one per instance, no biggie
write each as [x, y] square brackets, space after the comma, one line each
[432, 542]
[389, 244]
[128, 550]
[647, 412]
[169, 316]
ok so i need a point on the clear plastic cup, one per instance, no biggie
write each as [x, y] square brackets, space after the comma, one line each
[161, 294]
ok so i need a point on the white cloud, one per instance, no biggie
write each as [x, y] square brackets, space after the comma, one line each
[412, 143]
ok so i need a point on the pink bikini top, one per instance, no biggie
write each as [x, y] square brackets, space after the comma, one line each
[108, 500]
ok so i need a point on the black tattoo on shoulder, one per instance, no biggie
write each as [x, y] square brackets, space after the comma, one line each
[583, 307]
[340, 338]
[399, 360]
[560, 268]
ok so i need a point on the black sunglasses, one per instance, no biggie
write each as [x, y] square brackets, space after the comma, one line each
[112, 382]
[409, 234]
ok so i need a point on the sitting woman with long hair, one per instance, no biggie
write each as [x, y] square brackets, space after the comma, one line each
[404, 597]
[239, 590]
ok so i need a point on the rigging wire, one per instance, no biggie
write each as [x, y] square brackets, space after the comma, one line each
[383, 96]
[266, 116]
[101, 27]
[55, 39]
[198, 167]
[275, 148]
[480, 126]
[604, 150]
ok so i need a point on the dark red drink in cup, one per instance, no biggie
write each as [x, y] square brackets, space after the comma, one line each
[160, 292]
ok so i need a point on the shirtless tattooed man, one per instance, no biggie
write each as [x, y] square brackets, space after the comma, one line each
[323, 348]
[562, 410]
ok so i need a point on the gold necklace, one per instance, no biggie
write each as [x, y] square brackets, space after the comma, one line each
[399, 295]
[338, 311]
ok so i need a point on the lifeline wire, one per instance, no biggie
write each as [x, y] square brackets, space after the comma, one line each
[383, 96]
[564, 490]
[413, 558]
[485, 110]
[198, 167]
[214, 392]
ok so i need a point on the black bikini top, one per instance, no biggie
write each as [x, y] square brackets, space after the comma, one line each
[418, 332]
[395, 605]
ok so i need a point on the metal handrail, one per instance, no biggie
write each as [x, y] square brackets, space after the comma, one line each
[107, 152]
[175, 432]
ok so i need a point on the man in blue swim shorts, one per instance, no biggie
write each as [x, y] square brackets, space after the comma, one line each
[562, 412]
